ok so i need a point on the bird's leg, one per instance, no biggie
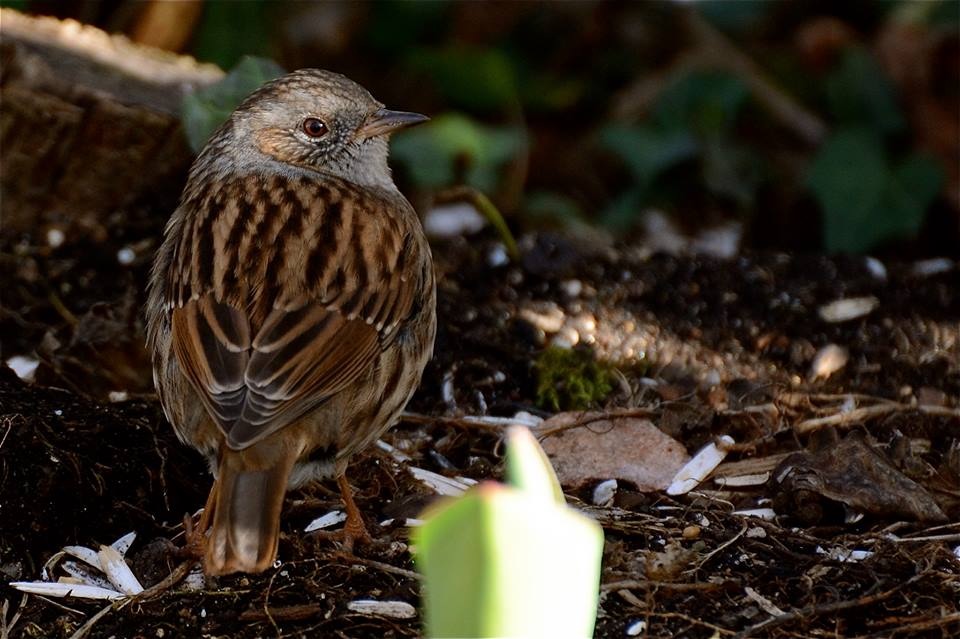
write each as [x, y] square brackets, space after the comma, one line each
[354, 530]
[195, 539]
[196, 536]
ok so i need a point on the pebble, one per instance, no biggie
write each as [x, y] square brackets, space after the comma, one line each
[55, 237]
[604, 493]
[497, 256]
[933, 266]
[691, 532]
[849, 308]
[828, 361]
[876, 268]
[572, 288]
[549, 318]
[452, 220]
[126, 255]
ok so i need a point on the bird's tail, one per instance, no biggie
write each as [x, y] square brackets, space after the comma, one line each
[246, 504]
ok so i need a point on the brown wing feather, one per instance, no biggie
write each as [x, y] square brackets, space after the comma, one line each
[296, 366]
[258, 371]
[212, 341]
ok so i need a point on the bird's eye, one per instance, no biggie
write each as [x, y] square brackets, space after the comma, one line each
[314, 128]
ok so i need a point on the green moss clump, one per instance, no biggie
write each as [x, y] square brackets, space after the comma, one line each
[571, 379]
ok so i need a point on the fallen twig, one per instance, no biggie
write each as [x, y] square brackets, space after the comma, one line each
[85, 629]
[814, 611]
[859, 415]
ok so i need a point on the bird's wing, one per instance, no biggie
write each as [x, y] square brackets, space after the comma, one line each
[255, 375]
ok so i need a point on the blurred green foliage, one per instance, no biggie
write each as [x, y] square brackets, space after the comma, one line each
[455, 149]
[490, 86]
[865, 199]
[500, 84]
[691, 123]
[231, 30]
[510, 560]
[571, 379]
[868, 193]
[860, 94]
[207, 108]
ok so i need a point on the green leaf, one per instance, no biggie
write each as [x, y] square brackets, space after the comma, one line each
[864, 202]
[859, 93]
[706, 101]
[436, 153]
[649, 151]
[848, 177]
[730, 171]
[623, 211]
[230, 30]
[397, 26]
[738, 16]
[545, 207]
[498, 563]
[529, 469]
[489, 85]
[206, 109]
[915, 184]
[502, 561]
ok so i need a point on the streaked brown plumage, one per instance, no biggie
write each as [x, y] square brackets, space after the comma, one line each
[292, 304]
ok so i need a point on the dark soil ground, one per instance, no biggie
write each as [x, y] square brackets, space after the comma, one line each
[705, 347]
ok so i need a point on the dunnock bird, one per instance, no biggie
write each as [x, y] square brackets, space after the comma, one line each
[292, 304]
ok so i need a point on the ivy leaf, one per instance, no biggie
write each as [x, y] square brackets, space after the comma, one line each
[649, 151]
[864, 201]
[859, 92]
[707, 102]
[490, 84]
[206, 109]
[453, 147]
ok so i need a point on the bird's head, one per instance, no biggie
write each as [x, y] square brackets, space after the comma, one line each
[318, 120]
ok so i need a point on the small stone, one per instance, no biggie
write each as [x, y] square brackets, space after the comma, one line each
[572, 288]
[849, 308]
[126, 255]
[828, 360]
[691, 532]
[497, 256]
[604, 492]
[933, 266]
[55, 237]
[876, 268]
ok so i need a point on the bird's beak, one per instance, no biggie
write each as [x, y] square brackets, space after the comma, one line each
[386, 121]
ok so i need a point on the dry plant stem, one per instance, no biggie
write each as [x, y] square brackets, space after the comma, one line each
[85, 629]
[813, 611]
[161, 587]
[859, 415]
[713, 50]
[585, 418]
[725, 54]
[417, 418]
[488, 209]
[907, 630]
[7, 626]
[725, 544]
[695, 622]
[379, 565]
[663, 585]
[283, 613]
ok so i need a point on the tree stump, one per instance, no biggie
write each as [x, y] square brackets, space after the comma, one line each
[89, 125]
